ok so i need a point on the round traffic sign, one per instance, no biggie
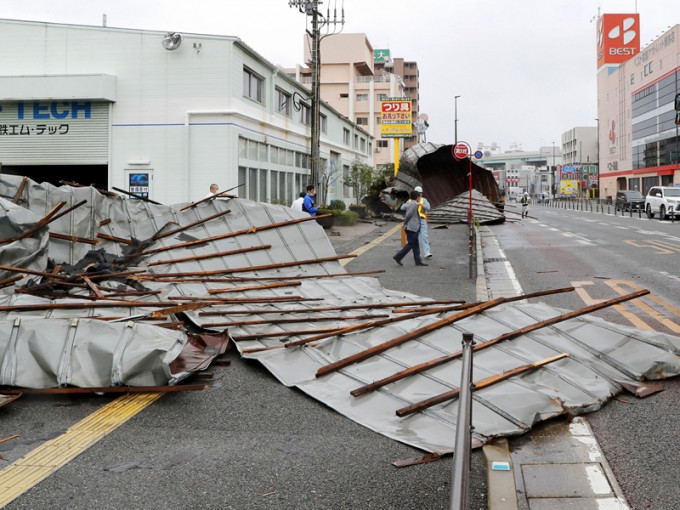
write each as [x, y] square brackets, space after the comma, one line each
[461, 150]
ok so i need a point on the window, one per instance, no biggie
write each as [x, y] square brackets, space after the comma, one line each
[305, 114]
[363, 144]
[323, 123]
[362, 97]
[362, 121]
[252, 85]
[345, 136]
[383, 143]
[344, 96]
[356, 141]
[282, 102]
[382, 97]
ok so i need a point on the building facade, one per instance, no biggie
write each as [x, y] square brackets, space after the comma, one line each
[637, 133]
[355, 78]
[162, 115]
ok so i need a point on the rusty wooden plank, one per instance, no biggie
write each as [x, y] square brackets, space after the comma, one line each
[377, 349]
[17, 195]
[421, 367]
[245, 231]
[234, 324]
[247, 288]
[73, 239]
[236, 279]
[210, 255]
[218, 194]
[11, 269]
[113, 238]
[160, 235]
[246, 269]
[483, 383]
[93, 288]
[143, 199]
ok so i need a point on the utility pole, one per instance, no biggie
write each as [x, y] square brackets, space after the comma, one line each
[333, 26]
[455, 119]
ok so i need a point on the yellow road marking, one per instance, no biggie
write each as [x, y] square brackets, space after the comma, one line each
[372, 244]
[633, 319]
[661, 247]
[616, 285]
[40, 463]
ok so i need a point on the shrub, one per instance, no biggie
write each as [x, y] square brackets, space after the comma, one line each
[337, 205]
[346, 218]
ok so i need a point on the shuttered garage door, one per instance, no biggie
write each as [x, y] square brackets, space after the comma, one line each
[54, 132]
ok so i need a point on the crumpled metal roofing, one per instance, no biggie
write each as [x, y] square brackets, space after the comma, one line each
[270, 277]
[446, 184]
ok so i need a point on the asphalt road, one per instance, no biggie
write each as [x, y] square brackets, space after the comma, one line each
[248, 442]
[604, 255]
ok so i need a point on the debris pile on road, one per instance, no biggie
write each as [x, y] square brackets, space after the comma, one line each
[101, 290]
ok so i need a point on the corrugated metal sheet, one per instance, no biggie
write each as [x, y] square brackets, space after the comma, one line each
[271, 277]
[445, 182]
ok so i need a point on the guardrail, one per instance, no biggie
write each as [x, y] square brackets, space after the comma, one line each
[595, 205]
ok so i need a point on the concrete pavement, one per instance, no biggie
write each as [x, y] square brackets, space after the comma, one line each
[556, 466]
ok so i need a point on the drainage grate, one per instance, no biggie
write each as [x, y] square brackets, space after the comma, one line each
[496, 259]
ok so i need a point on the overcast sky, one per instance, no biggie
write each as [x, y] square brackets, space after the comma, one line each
[525, 70]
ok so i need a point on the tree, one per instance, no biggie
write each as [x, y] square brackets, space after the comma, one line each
[360, 179]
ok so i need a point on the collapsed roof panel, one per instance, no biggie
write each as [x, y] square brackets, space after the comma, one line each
[270, 275]
[446, 184]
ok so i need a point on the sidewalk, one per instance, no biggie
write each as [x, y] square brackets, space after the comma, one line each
[556, 466]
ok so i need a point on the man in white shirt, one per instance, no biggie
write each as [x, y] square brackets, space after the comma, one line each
[297, 203]
[213, 191]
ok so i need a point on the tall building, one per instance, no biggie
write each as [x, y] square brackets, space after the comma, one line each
[639, 144]
[355, 77]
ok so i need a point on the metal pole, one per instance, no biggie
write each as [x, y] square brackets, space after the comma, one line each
[316, 98]
[470, 225]
[460, 493]
[455, 116]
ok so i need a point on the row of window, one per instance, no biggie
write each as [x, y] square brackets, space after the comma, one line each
[253, 85]
[258, 151]
[658, 153]
[263, 185]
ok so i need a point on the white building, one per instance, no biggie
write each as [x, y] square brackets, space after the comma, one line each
[163, 114]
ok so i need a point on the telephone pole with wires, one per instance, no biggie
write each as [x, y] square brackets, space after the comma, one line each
[316, 23]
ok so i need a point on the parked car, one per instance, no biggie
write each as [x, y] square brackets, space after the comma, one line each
[629, 201]
[542, 198]
[662, 200]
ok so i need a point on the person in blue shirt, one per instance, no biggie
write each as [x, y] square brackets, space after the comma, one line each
[308, 203]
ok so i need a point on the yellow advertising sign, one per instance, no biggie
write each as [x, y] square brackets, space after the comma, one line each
[396, 120]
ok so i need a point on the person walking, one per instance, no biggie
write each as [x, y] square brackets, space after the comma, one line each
[308, 203]
[297, 203]
[412, 228]
[525, 204]
[423, 208]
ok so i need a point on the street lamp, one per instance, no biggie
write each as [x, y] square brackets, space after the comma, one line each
[554, 184]
[311, 9]
[455, 121]
[598, 158]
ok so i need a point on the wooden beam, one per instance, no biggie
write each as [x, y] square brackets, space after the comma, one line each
[427, 365]
[487, 381]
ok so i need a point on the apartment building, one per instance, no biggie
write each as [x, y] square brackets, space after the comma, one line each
[355, 77]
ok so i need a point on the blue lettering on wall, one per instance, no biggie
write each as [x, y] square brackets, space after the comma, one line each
[55, 110]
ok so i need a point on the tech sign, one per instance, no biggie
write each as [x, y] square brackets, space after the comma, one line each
[618, 38]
